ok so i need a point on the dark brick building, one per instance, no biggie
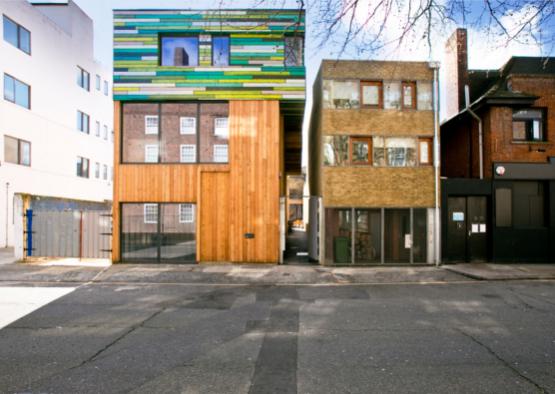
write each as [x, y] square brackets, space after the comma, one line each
[498, 159]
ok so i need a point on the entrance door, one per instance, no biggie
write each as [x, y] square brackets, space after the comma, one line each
[466, 228]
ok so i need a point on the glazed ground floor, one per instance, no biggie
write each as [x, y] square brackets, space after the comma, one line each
[363, 235]
[510, 218]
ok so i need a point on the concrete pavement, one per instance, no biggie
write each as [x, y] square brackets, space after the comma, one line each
[489, 271]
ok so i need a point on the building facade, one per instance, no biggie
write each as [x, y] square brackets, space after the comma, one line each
[373, 182]
[208, 115]
[498, 159]
[56, 113]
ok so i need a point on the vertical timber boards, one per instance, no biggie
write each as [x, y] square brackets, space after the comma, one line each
[213, 229]
[254, 180]
[116, 196]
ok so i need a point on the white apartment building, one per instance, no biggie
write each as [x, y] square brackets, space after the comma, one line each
[56, 113]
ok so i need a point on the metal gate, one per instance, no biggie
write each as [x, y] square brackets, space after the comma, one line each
[77, 233]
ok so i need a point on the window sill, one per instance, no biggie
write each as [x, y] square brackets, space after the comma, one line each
[545, 143]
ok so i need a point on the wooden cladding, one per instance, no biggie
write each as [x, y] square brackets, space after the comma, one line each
[233, 199]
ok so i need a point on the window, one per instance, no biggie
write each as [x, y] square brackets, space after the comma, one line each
[408, 99]
[150, 213]
[528, 125]
[293, 51]
[17, 92]
[151, 124]
[135, 135]
[83, 122]
[180, 51]
[188, 153]
[371, 93]
[221, 127]
[187, 125]
[98, 82]
[83, 78]
[97, 170]
[341, 94]
[425, 151]
[105, 88]
[336, 150]
[105, 172]
[220, 154]
[17, 151]
[111, 173]
[106, 132]
[394, 152]
[186, 213]
[151, 153]
[17, 35]
[360, 149]
[82, 167]
[220, 51]
[97, 132]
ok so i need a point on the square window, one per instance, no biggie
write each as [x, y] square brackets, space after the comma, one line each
[151, 124]
[221, 127]
[188, 153]
[220, 51]
[187, 125]
[372, 94]
[16, 91]
[220, 154]
[151, 153]
[150, 213]
[17, 35]
[360, 150]
[528, 124]
[180, 51]
[186, 213]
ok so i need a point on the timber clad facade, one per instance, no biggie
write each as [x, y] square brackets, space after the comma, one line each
[508, 214]
[209, 108]
[371, 163]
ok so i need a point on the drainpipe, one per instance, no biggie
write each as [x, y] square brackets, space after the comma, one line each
[435, 96]
[480, 135]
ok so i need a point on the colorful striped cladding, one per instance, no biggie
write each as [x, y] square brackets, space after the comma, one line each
[255, 68]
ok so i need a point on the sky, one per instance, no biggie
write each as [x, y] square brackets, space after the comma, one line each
[486, 50]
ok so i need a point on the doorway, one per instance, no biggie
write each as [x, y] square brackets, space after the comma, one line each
[467, 228]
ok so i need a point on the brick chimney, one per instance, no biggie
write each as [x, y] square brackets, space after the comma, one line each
[456, 71]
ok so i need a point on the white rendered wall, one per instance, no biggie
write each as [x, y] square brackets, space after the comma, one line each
[51, 123]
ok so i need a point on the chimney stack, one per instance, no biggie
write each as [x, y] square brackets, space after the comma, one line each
[456, 71]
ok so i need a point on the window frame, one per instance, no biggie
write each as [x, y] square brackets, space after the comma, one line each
[194, 150]
[543, 125]
[106, 89]
[220, 146]
[15, 81]
[80, 174]
[161, 36]
[221, 135]
[97, 170]
[379, 84]
[212, 49]
[82, 74]
[145, 214]
[429, 142]
[194, 127]
[150, 146]
[361, 139]
[82, 115]
[148, 129]
[181, 206]
[412, 85]
[302, 49]
[19, 143]
[19, 27]
[98, 82]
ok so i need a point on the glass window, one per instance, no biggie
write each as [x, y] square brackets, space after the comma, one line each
[221, 127]
[528, 124]
[105, 172]
[180, 51]
[378, 149]
[83, 122]
[97, 132]
[106, 132]
[503, 207]
[151, 124]
[293, 51]
[24, 153]
[341, 94]
[372, 93]
[16, 91]
[17, 35]
[98, 82]
[336, 150]
[133, 134]
[105, 88]
[151, 153]
[220, 154]
[211, 135]
[187, 125]
[338, 235]
[151, 213]
[188, 153]
[83, 78]
[186, 213]
[368, 225]
[82, 167]
[409, 95]
[97, 170]
[220, 51]
[400, 152]
[425, 151]
[360, 149]
[11, 150]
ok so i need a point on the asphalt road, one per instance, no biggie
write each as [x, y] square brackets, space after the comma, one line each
[474, 337]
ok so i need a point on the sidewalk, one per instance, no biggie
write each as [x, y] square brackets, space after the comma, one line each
[488, 271]
[6, 256]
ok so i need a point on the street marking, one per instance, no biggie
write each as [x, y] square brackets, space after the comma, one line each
[16, 302]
